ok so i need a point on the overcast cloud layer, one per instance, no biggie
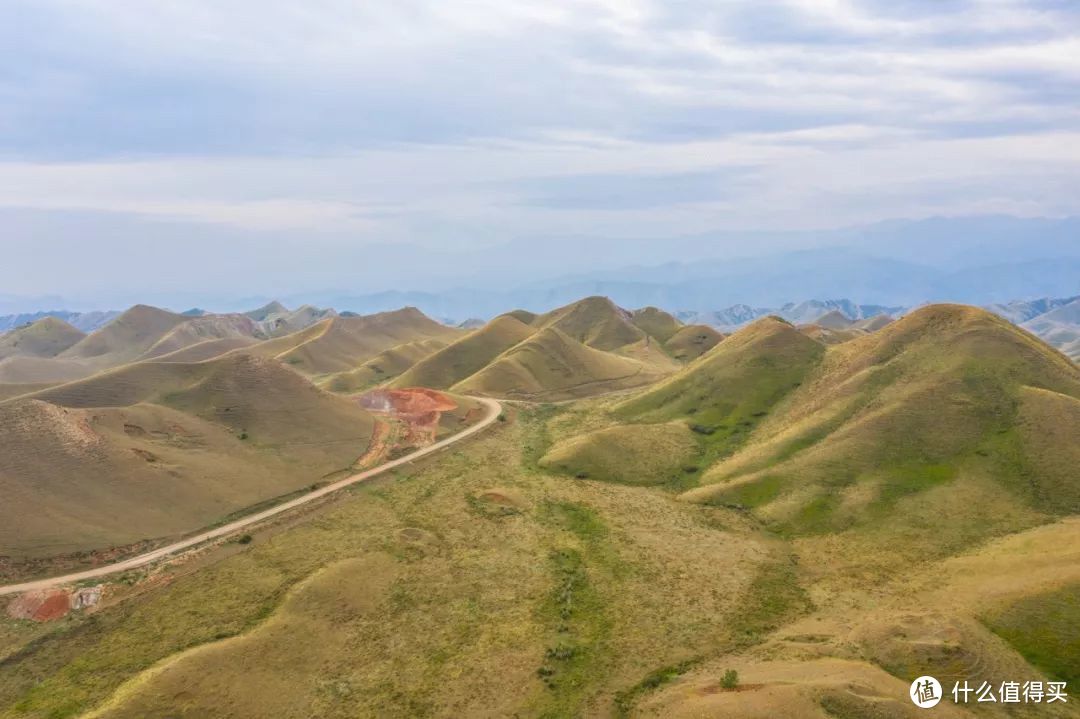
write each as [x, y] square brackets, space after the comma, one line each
[327, 125]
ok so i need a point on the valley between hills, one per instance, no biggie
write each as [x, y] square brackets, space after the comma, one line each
[829, 509]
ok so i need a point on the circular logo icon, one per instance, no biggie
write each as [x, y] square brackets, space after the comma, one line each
[925, 692]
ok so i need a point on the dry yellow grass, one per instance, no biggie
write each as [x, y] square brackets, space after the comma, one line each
[692, 341]
[550, 365]
[416, 598]
[633, 454]
[595, 322]
[382, 367]
[466, 356]
[155, 449]
[47, 337]
[482, 585]
[347, 342]
[197, 330]
[656, 323]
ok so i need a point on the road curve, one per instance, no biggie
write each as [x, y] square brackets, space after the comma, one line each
[494, 409]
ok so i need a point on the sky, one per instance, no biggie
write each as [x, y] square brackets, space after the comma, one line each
[281, 146]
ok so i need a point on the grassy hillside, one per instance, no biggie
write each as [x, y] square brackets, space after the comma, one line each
[22, 370]
[126, 337]
[948, 403]
[724, 393]
[656, 323]
[466, 356]
[829, 336]
[207, 349]
[596, 322]
[468, 586]
[873, 324]
[382, 367]
[155, 449]
[550, 365]
[631, 454]
[900, 504]
[47, 337]
[347, 342]
[692, 341]
[833, 320]
[202, 329]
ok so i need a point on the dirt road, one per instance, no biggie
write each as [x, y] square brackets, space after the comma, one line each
[493, 407]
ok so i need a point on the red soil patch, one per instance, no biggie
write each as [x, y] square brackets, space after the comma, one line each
[419, 408]
[40, 606]
[55, 606]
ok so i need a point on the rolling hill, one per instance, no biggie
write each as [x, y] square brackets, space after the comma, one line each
[203, 329]
[598, 323]
[948, 402]
[126, 337]
[155, 449]
[778, 527]
[141, 332]
[46, 337]
[466, 356]
[550, 365]
[383, 367]
[347, 342]
[588, 347]
[691, 341]
[275, 320]
[736, 381]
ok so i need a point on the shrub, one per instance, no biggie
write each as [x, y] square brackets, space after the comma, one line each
[730, 680]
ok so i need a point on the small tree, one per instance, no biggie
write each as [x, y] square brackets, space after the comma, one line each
[730, 680]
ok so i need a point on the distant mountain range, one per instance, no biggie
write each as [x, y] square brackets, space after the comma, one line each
[1056, 320]
[84, 321]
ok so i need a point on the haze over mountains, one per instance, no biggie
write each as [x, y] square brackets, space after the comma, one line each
[975, 260]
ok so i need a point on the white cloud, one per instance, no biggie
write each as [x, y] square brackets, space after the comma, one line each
[422, 119]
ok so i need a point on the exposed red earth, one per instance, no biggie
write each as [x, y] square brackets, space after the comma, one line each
[418, 408]
[46, 605]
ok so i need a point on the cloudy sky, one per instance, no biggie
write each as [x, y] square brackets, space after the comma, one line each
[186, 138]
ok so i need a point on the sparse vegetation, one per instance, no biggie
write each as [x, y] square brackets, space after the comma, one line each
[490, 580]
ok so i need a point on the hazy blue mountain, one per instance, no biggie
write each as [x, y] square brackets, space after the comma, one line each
[85, 321]
[1023, 310]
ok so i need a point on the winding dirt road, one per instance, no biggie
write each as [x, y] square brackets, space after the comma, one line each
[494, 409]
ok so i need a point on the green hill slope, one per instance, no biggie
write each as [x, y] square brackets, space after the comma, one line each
[596, 322]
[724, 393]
[656, 323]
[382, 367]
[947, 404]
[347, 342]
[466, 356]
[691, 341]
[551, 365]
